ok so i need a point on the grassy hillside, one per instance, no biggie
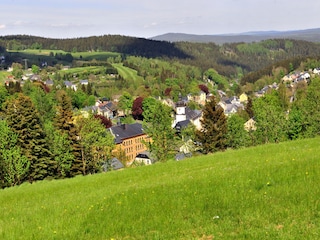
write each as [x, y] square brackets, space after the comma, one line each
[127, 73]
[266, 192]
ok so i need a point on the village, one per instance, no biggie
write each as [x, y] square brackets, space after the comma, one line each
[130, 138]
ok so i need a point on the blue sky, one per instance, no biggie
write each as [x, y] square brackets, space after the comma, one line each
[148, 18]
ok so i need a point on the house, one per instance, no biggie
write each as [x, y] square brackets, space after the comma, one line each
[70, 85]
[200, 98]
[35, 78]
[231, 105]
[250, 125]
[106, 108]
[84, 82]
[130, 139]
[316, 71]
[112, 164]
[185, 115]
[143, 158]
[181, 125]
[243, 98]
[49, 83]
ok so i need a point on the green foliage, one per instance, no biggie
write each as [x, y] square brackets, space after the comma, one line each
[13, 165]
[218, 79]
[237, 136]
[253, 48]
[97, 144]
[125, 102]
[212, 137]
[60, 147]
[44, 102]
[23, 118]
[311, 109]
[64, 122]
[35, 69]
[17, 70]
[295, 123]
[265, 192]
[158, 127]
[270, 118]
[148, 107]
[79, 98]
[3, 95]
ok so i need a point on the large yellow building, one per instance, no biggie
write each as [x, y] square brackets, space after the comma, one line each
[129, 139]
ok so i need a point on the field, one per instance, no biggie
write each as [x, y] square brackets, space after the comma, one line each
[34, 54]
[265, 192]
[127, 73]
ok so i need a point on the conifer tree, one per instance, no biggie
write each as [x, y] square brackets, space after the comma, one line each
[65, 123]
[212, 136]
[23, 119]
[249, 109]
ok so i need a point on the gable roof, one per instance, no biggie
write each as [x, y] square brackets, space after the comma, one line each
[181, 125]
[125, 131]
[192, 114]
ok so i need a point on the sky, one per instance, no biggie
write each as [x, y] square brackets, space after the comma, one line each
[149, 18]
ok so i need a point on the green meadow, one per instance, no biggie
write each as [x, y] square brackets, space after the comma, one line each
[103, 56]
[127, 73]
[265, 192]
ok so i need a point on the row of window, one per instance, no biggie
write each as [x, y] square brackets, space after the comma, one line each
[130, 142]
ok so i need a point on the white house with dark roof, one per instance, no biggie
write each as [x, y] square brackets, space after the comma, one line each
[185, 115]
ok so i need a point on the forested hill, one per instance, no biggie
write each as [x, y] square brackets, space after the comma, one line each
[228, 59]
[113, 43]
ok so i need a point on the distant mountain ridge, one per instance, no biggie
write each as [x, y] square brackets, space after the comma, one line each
[311, 35]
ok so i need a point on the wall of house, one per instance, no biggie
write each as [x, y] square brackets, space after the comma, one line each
[133, 146]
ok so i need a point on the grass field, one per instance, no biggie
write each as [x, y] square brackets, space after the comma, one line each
[265, 192]
[86, 56]
[127, 73]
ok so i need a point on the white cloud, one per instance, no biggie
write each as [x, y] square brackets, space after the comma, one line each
[2, 26]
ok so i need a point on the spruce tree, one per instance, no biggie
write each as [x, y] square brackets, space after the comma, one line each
[23, 119]
[212, 136]
[249, 109]
[64, 122]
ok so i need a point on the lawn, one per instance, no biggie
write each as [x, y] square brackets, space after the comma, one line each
[264, 192]
[86, 56]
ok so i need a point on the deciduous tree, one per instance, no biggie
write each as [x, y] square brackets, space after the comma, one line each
[96, 144]
[137, 108]
[158, 127]
[270, 119]
[237, 136]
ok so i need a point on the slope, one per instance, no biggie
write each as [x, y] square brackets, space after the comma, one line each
[265, 192]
